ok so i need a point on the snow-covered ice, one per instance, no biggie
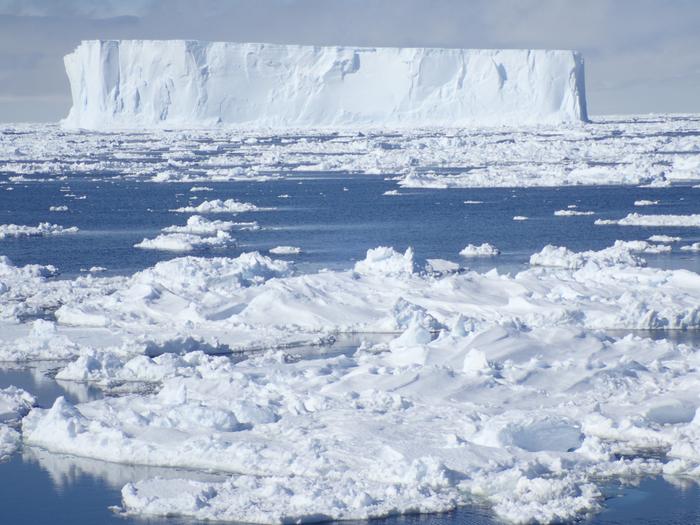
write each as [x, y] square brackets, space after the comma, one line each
[636, 219]
[218, 206]
[482, 250]
[285, 250]
[41, 230]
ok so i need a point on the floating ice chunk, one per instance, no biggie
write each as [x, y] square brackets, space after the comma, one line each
[645, 202]
[572, 213]
[643, 247]
[384, 260]
[200, 188]
[285, 250]
[198, 225]
[482, 250]
[561, 257]
[41, 230]
[473, 202]
[441, 266]
[58, 208]
[391, 192]
[695, 247]
[186, 242]
[218, 206]
[664, 238]
[635, 219]
[520, 218]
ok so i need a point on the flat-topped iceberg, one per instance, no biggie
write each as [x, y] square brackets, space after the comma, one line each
[184, 83]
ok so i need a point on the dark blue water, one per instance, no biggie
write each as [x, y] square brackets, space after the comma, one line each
[334, 219]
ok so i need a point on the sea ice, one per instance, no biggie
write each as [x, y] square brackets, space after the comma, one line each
[41, 230]
[635, 219]
[218, 206]
[285, 250]
[482, 250]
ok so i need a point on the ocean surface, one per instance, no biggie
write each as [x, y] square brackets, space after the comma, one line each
[334, 219]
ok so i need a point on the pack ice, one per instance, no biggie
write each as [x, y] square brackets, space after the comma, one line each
[497, 388]
[184, 83]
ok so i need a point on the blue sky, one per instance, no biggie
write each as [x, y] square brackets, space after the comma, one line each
[641, 55]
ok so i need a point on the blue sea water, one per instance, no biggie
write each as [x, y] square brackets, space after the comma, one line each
[334, 219]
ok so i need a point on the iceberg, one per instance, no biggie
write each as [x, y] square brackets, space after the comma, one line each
[137, 84]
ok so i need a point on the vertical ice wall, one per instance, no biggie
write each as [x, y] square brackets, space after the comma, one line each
[178, 83]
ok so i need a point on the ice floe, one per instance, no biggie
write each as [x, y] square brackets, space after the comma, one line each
[41, 230]
[218, 206]
[635, 219]
[482, 250]
[285, 250]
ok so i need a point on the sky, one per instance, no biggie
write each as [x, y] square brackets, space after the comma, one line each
[641, 55]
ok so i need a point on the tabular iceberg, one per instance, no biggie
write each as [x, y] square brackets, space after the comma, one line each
[192, 84]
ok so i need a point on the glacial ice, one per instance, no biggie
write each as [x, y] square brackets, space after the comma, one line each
[636, 219]
[137, 84]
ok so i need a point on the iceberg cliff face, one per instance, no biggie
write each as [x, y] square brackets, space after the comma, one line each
[183, 84]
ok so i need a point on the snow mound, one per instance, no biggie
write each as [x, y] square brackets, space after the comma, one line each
[183, 83]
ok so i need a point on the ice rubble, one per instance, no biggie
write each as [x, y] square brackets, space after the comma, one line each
[136, 84]
[496, 387]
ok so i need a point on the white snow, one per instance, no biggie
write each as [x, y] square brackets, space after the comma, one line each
[40, 230]
[285, 250]
[139, 84]
[482, 250]
[635, 219]
[218, 206]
